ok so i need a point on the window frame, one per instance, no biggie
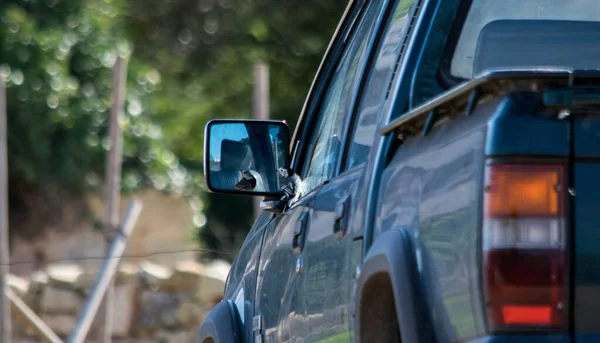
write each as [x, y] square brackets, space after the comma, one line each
[437, 31]
[445, 77]
[358, 82]
[308, 115]
[306, 124]
[377, 38]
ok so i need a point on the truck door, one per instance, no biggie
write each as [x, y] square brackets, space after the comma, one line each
[279, 309]
[353, 103]
[280, 306]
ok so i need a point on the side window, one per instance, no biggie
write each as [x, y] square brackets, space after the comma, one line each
[373, 94]
[322, 160]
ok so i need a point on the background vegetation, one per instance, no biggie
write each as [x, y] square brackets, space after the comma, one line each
[189, 61]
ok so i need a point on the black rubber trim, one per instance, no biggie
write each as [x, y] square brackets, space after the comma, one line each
[221, 325]
[391, 253]
[444, 75]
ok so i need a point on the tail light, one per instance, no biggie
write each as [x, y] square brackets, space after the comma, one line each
[523, 246]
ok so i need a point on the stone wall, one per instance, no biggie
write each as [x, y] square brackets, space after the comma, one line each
[153, 303]
[162, 234]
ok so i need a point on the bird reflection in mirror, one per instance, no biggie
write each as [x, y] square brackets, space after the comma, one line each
[247, 183]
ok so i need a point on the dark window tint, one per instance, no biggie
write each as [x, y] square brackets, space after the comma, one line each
[370, 107]
[528, 34]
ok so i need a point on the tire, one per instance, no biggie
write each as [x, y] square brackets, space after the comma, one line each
[379, 321]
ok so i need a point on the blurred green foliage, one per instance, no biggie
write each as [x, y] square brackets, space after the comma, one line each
[189, 61]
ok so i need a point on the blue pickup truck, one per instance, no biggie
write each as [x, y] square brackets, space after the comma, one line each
[441, 184]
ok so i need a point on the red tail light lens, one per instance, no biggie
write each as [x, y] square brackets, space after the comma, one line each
[523, 246]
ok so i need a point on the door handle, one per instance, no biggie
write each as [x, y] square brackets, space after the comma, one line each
[300, 233]
[340, 224]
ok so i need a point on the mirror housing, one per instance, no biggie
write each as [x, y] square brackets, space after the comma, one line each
[244, 156]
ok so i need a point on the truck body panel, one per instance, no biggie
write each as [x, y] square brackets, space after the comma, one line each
[279, 291]
[586, 223]
[425, 176]
[432, 186]
[326, 260]
[242, 279]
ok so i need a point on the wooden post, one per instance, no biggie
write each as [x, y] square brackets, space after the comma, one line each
[261, 91]
[29, 318]
[113, 187]
[5, 327]
[261, 105]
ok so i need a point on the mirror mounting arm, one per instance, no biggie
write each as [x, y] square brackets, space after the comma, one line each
[273, 204]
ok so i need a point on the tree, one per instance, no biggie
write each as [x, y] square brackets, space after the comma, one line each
[189, 61]
[56, 60]
[211, 46]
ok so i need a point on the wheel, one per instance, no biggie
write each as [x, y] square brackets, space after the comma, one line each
[378, 318]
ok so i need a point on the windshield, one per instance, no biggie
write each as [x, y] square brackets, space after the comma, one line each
[525, 33]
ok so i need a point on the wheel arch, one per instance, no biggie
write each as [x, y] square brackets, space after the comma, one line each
[391, 256]
[222, 325]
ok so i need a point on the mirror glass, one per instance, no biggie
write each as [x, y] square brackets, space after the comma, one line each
[245, 156]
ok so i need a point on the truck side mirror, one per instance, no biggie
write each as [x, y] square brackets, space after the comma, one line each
[244, 156]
